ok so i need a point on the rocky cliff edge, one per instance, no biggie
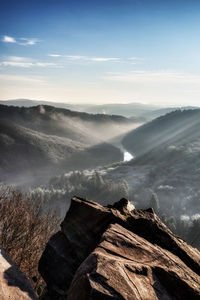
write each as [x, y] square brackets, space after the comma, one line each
[118, 252]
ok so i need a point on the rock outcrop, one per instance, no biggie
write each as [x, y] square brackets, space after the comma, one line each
[14, 285]
[118, 252]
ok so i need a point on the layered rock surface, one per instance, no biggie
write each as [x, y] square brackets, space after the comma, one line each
[118, 252]
[13, 283]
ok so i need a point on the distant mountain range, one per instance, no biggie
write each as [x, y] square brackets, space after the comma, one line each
[137, 111]
[128, 110]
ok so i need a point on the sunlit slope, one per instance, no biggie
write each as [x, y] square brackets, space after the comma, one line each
[176, 129]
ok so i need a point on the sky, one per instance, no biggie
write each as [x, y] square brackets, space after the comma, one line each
[101, 51]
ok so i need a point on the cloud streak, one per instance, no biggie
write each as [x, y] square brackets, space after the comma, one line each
[17, 58]
[102, 59]
[8, 39]
[16, 64]
[24, 62]
[54, 55]
[20, 41]
[28, 42]
[86, 58]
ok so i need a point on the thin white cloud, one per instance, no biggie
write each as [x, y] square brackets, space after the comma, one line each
[24, 62]
[86, 58]
[18, 58]
[20, 41]
[153, 77]
[17, 64]
[92, 59]
[76, 57]
[27, 64]
[8, 39]
[104, 59]
[54, 55]
[28, 42]
[45, 64]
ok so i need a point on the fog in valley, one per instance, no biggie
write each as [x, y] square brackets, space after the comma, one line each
[53, 154]
[40, 142]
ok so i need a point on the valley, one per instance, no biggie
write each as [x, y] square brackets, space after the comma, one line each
[54, 154]
[40, 142]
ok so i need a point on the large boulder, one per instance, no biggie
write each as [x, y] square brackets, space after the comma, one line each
[70, 255]
[14, 285]
[126, 266]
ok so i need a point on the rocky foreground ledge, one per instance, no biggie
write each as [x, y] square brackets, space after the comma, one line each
[118, 252]
[14, 285]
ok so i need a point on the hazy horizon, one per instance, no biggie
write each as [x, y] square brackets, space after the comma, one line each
[99, 52]
[54, 101]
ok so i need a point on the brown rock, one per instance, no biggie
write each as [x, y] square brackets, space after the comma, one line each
[126, 266]
[13, 283]
[82, 229]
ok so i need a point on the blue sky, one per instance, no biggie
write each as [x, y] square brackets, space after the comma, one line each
[113, 51]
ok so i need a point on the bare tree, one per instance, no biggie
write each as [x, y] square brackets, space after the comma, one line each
[24, 231]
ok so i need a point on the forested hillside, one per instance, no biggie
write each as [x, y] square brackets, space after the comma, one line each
[40, 142]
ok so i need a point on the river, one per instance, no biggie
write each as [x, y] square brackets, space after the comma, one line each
[128, 156]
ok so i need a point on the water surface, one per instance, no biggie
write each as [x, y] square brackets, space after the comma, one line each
[128, 156]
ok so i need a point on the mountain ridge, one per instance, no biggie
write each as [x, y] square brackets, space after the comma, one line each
[138, 111]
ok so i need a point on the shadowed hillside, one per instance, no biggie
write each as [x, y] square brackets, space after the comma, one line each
[43, 141]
